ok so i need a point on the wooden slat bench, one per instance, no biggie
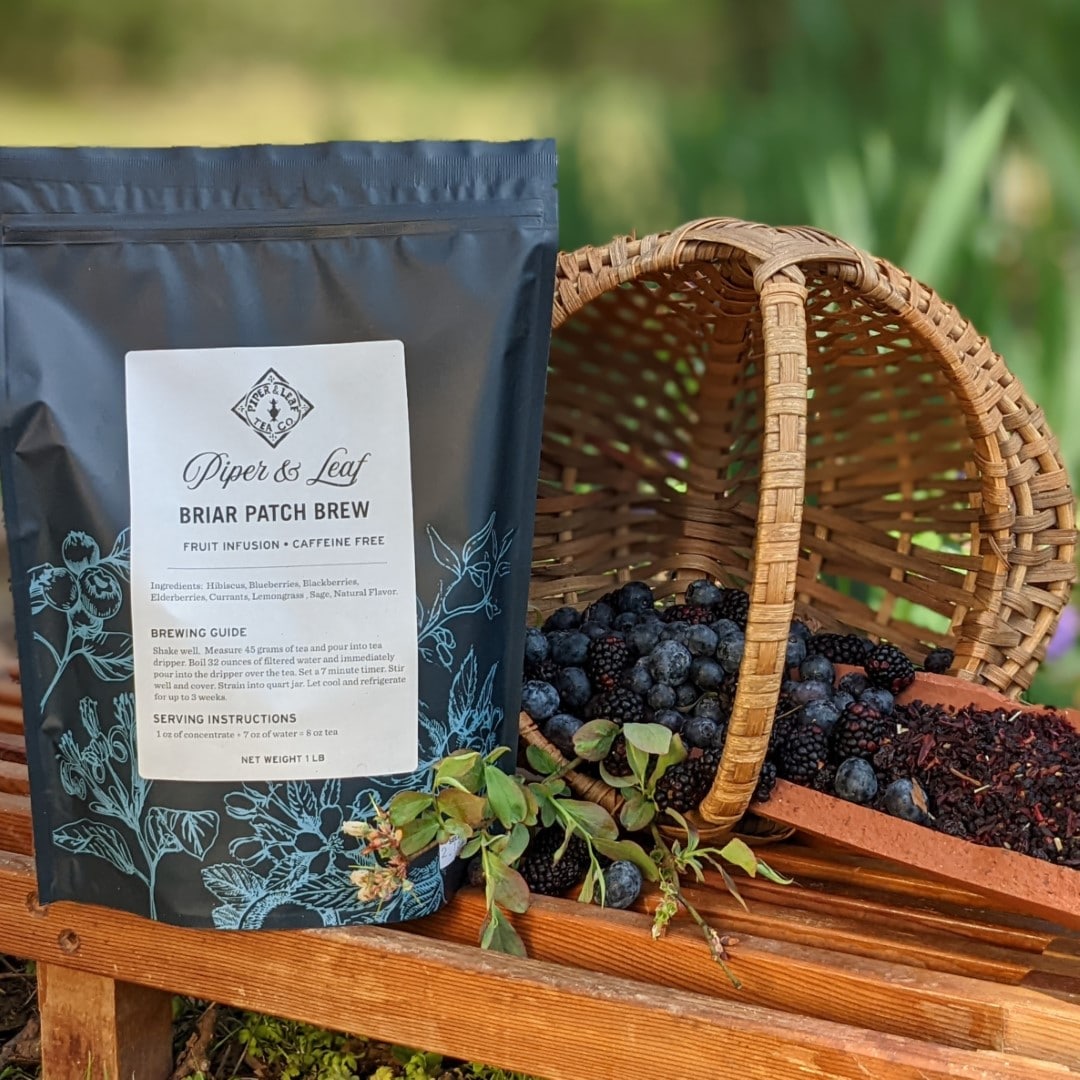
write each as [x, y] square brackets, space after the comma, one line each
[861, 969]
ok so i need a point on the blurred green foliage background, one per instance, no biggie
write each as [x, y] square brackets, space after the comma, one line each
[941, 134]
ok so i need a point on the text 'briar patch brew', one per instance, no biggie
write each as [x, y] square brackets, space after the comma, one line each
[270, 445]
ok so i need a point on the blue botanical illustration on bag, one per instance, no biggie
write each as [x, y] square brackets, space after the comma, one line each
[101, 770]
[476, 570]
[294, 853]
[88, 590]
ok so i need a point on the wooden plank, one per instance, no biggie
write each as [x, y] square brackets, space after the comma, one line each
[947, 1009]
[16, 834]
[11, 719]
[13, 778]
[12, 747]
[459, 1000]
[94, 1028]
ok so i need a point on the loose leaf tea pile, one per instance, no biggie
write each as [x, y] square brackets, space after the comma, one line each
[1004, 779]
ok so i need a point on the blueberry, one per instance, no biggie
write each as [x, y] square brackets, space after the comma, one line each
[564, 618]
[854, 683]
[788, 686]
[601, 612]
[686, 694]
[676, 631]
[700, 731]
[906, 799]
[804, 692]
[880, 699]
[569, 648]
[708, 705]
[670, 663]
[856, 781]
[574, 689]
[634, 596]
[796, 651]
[670, 718]
[539, 699]
[645, 635]
[593, 630]
[625, 621]
[841, 700]
[823, 713]
[799, 629]
[817, 668]
[560, 730]
[701, 640]
[730, 653]
[661, 696]
[706, 673]
[725, 628]
[703, 593]
[537, 649]
[638, 678]
[622, 884]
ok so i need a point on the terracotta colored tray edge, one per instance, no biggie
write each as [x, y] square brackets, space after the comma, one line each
[1029, 885]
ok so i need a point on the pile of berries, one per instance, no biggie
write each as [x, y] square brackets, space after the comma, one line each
[629, 659]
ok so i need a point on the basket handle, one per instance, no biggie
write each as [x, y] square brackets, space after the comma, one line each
[776, 548]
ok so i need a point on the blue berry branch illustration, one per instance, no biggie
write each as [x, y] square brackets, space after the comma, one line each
[102, 772]
[471, 589]
[88, 590]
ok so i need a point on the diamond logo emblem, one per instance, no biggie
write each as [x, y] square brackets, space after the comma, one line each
[272, 408]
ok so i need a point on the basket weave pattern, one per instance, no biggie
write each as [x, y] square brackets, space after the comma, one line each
[780, 411]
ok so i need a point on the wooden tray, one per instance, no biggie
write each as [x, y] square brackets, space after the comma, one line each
[1025, 884]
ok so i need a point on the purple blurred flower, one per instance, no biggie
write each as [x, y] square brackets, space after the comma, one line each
[1066, 634]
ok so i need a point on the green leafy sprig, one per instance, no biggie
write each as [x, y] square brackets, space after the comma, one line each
[489, 813]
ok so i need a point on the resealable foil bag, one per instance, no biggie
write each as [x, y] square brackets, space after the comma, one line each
[271, 433]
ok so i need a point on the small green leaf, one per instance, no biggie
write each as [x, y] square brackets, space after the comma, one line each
[417, 835]
[628, 851]
[464, 766]
[506, 796]
[637, 812]
[767, 872]
[732, 888]
[592, 741]
[498, 752]
[652, 738]
[499, 935]
[588, 885]
[471, 848]
[509, 888]
[516, 842]
[676, 753]
[736, 851]
[462, 807]
[408, 805]
[541, 760]
[638, 761]
[590, 817]
[615, 781]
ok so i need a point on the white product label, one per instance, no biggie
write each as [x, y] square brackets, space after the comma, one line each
[273, 581]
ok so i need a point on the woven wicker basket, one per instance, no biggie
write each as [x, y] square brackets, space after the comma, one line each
[778, 410]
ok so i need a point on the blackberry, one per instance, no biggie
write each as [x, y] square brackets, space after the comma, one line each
[859, 733]
[545, 876]
[734, 605]
[840, 648]
[694, 614]
[824, 780]
[803, 754]
[889, 668]
[939, 660]
[684, 785]
[621, 705]
[545, 671]
[616, 761]
[607, 658]
[766, 782]
[785, 721]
